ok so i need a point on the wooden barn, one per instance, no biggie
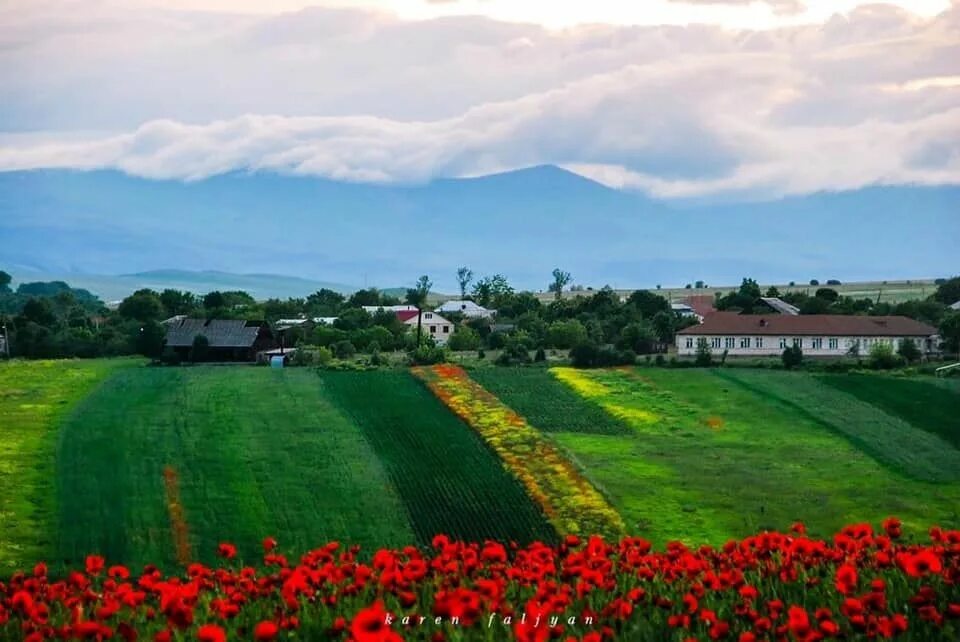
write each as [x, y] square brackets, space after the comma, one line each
[229, 339]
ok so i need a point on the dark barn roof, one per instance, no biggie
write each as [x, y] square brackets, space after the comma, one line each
[221, 333]
[810, 324]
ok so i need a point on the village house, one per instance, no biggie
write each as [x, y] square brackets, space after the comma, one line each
[433, 324]
[229, 339]
[826, 335]
[467, 308]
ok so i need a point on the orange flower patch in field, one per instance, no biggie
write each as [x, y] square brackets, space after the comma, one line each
[567, 498]
[714, 422]
[178, 521]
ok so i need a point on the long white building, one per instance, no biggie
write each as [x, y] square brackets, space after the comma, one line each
[827, 335]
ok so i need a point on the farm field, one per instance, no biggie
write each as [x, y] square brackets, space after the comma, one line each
[710, 458]
[34, 396]
[161, 464]
[450, 481]
[923, 404]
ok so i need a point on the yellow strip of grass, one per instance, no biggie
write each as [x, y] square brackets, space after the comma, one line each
[568, 499]
[34, 396]
[596, 391]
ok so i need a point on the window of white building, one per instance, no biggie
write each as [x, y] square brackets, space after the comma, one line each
[689, 342]
[759, 342]
[816, 343]
[716, 342]
[798, 342]
[744, 342]
[834, 343]
[730, 342]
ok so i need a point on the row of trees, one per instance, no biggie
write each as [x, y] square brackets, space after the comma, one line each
[54, 320]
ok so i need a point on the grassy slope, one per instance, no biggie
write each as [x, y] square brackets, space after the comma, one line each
[450, 481]
[921, 403]
[257, 452]
[890, 440]
[34, 396]
[545, 402]
[762, 467]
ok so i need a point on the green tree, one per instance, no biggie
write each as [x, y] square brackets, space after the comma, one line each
[142, 305]
[882, 356]
[704, 357]
[950, 333]
[948, 292]
[464, 338]
[200, 350]
[908, 350]
[647, 303]
[417, 295]
[5, 280]
[368, 297]
[150, 339]
[176, 302]
[464, 277]
[792, 357]
[664, 326]
[560, 280]
[324, 303]
[566, 334]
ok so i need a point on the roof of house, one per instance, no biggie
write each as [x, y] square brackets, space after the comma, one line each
[221, 333]
[955, 306]
[458, 305]
[373, 309]
[779, 305]
[702, 304]
[810, 324]
[406, 315]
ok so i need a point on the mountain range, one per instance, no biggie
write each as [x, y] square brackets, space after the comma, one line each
[523, 223]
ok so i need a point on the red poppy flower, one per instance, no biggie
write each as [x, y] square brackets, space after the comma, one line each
[94, 564]
[269, 544]
[227, 551]
[266, 631]
[846, 580]
[370, 625]
[211, 633]
[921, 563]
[893, 527]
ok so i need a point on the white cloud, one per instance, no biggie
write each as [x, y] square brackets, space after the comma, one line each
[676, 111]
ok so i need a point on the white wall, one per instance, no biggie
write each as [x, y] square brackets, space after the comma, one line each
[435, 326]
[774, 345]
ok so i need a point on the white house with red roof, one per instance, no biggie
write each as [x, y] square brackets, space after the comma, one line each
[433, 324]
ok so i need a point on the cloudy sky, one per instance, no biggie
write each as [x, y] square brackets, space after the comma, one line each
[702, 98]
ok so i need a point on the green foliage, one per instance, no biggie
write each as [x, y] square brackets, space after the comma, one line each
[344, 350]
[514, 353]
[909, 351]
[882, 356]
[792, 357]
[589, 355]
[948, 291]
[566, 334]
[704, 358]
[464, 338]
[428, 354]
[200, 350]
[448, 479]
[540, 356]
[142, 305]
[560, 280]
[950, 332]
[150, 339]
[464, 277]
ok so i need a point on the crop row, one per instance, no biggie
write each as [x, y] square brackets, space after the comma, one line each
[571, 502]
[448, 480]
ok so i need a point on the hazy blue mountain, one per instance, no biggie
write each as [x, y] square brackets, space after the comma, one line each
[521, 223]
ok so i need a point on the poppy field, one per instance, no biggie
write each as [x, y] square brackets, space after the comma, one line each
[861, 584]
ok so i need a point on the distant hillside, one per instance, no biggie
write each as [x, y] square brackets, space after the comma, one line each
[260, 286]
[522, 224]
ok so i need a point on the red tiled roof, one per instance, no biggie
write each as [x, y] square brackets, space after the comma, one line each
[406, 315]
[810, 324]
[702, 304]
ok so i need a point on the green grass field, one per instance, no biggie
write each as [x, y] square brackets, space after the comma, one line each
[449, 480]
[546, 403]
[908, 449]
[710, 459]
[255, 452]
[921, 403]
[34, 397]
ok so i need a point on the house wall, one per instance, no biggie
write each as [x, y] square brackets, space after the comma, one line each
[434, 325]
[774, 345]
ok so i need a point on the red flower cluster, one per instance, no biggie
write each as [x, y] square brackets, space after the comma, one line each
[863, 584]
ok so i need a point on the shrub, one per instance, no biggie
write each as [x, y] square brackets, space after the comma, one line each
[882, 356]
[584, 355]
[344, 350]
[465, 338]
[515, 353]
[324, 356]
[540, 355]
[792, 357]
[908, 350]
[660, 361]
[481, 354]
[427, 355]
[704, 357]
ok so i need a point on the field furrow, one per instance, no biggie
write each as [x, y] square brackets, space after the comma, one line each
[448, 479]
